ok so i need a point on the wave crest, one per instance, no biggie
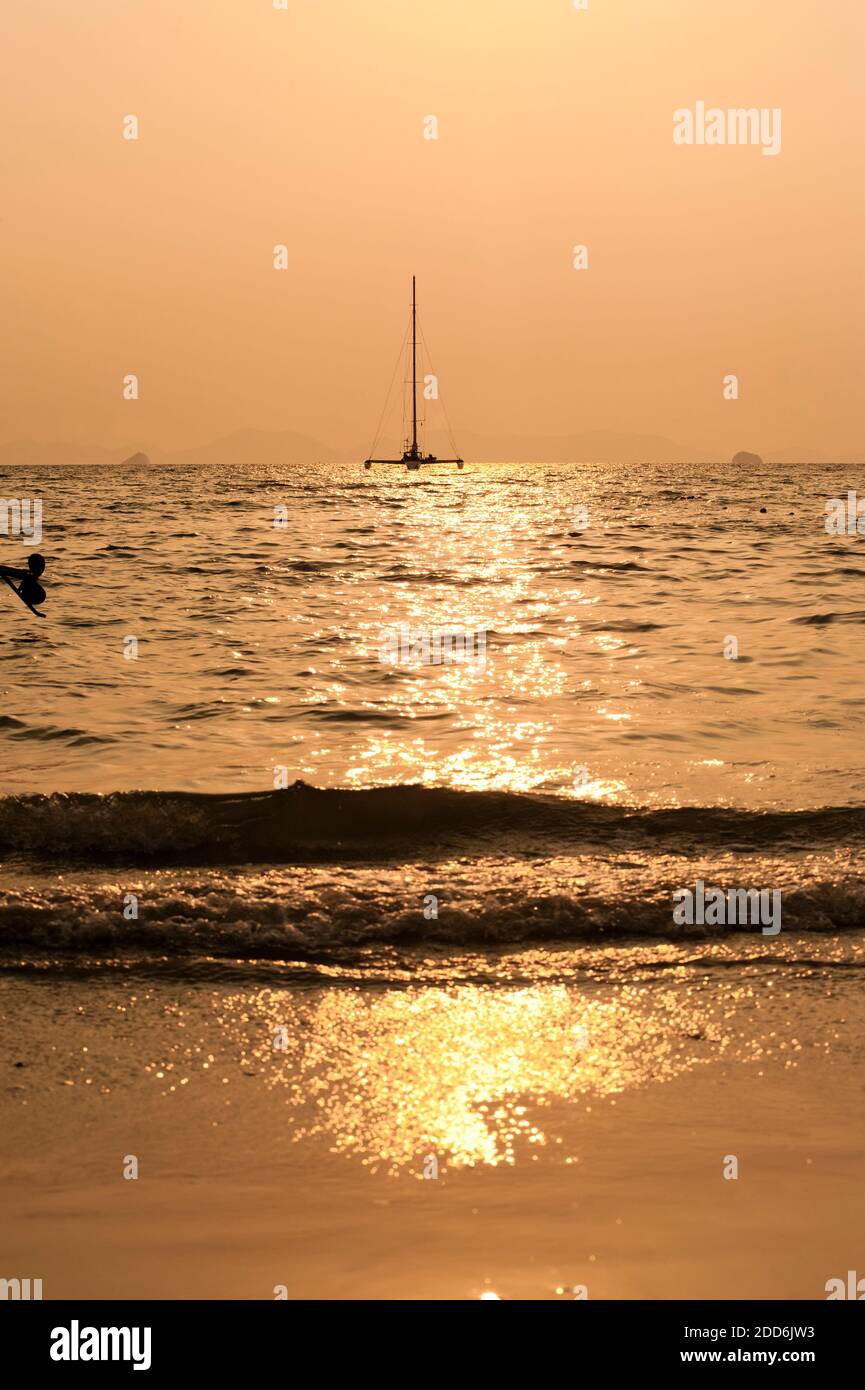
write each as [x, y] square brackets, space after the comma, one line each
[306, 825]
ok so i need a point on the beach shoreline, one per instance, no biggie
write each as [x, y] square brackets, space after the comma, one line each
[264, 1171]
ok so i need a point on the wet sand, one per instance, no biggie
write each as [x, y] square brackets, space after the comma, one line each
[261, 1168]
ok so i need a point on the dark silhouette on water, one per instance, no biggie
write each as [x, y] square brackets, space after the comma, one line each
[29, 590]
[413, 456]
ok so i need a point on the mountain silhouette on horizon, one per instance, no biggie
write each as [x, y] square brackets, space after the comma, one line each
[279, 448]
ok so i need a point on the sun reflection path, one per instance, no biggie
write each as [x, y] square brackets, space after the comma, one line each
[389, 1076]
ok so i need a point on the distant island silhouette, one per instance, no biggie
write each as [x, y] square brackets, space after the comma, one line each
[278, 448]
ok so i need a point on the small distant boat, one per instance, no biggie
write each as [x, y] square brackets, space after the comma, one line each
[413, 456]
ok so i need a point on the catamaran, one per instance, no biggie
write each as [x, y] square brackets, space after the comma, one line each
[413, 456]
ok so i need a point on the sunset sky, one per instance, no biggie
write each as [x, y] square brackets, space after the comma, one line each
[305, 127]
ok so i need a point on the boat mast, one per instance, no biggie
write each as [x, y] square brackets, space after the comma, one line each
[413, 369]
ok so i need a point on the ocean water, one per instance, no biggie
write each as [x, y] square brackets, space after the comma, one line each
[271, 790]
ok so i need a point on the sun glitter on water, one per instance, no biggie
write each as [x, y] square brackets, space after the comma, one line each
[468, 1073]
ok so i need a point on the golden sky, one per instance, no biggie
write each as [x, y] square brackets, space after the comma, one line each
[305, 126]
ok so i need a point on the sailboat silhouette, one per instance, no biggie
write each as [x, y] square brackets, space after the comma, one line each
[413, 457]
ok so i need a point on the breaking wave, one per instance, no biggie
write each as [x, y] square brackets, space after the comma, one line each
[305, 915]
[305, 825]
[310, 875]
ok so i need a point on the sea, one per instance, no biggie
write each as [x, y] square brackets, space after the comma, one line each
[385, 724]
